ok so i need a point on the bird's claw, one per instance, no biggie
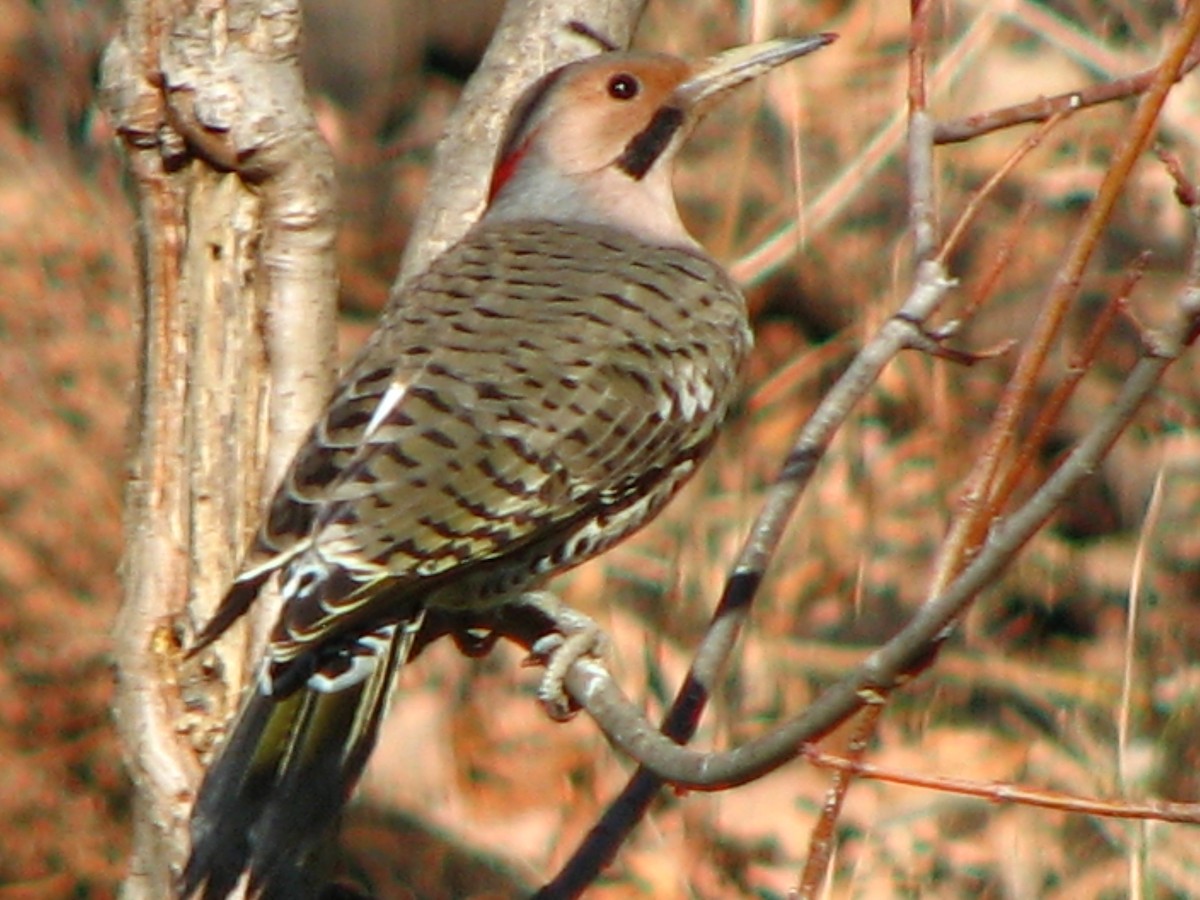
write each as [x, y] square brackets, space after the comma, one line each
[574, 637]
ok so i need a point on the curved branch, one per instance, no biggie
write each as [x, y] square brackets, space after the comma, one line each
[894, 662]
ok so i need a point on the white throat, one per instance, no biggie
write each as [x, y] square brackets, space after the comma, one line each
[645, 207]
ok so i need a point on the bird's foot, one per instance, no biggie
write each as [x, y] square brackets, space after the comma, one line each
[573, 637]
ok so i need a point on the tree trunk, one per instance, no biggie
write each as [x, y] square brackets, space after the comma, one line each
[235, 195]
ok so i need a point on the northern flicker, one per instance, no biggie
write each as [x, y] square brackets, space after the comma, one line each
[534, 397]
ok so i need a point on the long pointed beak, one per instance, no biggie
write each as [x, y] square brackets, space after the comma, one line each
[727, 70]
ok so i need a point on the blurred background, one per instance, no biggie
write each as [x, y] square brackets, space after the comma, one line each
[473, 792]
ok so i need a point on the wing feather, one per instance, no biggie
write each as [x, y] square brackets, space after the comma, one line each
[537, 381]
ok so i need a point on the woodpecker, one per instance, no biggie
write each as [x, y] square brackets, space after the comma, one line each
[535, 396]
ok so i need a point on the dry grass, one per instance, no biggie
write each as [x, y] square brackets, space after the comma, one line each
[1031, 690]
[66, 272]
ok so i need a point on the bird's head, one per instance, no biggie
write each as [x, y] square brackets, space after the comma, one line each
[595, 140]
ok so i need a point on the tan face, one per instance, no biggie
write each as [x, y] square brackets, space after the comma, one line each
[600, 107]
[593, 142]
[611, 119]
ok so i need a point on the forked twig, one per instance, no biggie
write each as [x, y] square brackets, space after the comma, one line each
[977, 509]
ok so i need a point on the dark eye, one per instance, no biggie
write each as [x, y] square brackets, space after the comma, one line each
[623, 86]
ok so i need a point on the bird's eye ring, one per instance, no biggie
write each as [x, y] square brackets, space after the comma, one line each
[623, 86]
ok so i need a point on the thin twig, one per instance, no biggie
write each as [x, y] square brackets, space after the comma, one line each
[921, 209]
[1049, 411]
[971, 210]
[1152, 810]
[823, 838]
[1045, 108]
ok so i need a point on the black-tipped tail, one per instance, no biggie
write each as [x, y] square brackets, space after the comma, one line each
[270, 798]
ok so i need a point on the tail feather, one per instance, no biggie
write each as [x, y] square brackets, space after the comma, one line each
[287, 767]
[233, 607]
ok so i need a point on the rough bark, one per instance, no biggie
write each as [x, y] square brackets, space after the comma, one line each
[234, 192]
[235, 196]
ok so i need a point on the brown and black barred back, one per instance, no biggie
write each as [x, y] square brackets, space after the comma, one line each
[533, 398]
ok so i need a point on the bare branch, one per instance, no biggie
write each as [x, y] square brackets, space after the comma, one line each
[898, 659]
[1045, 108]
[591, 684]
[921, 208]
[911, 648]
[1153, 810]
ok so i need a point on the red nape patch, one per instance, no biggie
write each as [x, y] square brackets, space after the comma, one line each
[506, 167]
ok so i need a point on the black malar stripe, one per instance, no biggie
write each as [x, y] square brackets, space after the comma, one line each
[645, 147]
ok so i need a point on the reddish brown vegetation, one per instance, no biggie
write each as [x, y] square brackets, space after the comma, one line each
[1029, 690]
